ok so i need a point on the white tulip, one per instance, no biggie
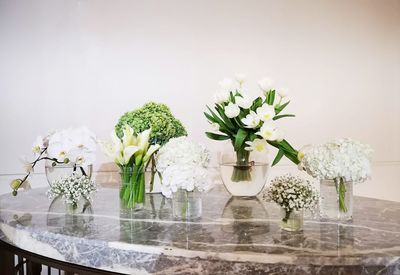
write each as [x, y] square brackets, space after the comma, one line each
[257, 144]
[283, 92]
[244, 101]
[226, 85]
[240, 78]
[302, 152]
[268, 131]
[221, 97]
[251, 120]
[266, 84]
[266, 112]
[232, 110]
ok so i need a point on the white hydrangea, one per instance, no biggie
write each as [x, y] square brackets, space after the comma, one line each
[182, 164]
[291, 193]
[341, 158]
[72, 188]
[182, 151]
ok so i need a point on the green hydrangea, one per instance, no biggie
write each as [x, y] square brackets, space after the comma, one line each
[156, 116]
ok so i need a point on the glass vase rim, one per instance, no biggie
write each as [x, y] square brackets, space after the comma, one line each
[64, 165]
[251, 164]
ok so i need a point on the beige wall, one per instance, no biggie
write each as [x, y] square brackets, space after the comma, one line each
[71, 62]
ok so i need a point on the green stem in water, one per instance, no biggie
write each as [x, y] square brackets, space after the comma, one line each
[242, 169]
[341, 191]
[287, 216]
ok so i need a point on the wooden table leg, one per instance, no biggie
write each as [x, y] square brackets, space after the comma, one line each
[6, 262]
[34, 268]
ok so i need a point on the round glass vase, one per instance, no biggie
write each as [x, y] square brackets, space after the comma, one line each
[243, 174]
[63, 170]
[292, 221]
[336, 200]
[186, 205]
[132, 187]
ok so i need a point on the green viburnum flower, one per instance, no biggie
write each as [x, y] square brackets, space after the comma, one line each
[156, 116]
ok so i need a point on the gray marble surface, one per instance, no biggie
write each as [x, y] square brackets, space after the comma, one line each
[234, 236]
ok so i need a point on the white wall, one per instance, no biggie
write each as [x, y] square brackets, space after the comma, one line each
[66, 63]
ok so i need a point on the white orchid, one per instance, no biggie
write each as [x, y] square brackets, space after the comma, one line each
[232, 110]
[266, 84]
[244, 101]
[37, 145]
[268, 131]
[252, 120]
[257, 144]
[266, 112]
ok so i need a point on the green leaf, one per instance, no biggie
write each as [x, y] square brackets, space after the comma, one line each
[218, 120]
[256, 103]
[217, 136]
[226, 119]
[210, 118]
[279, 108]
[278, 157]
[240, 138]
[282, 116]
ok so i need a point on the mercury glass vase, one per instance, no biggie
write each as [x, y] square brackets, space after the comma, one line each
[242, 174]
[186, 205]
[336, 200]
[292, 221]
[58, 171]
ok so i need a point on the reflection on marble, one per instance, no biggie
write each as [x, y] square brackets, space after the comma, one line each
[234, 235]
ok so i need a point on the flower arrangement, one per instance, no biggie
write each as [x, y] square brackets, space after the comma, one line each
[75, 146]
[182, 164]
[249, 123]
[72, 188]
[154, 116]
[132, 154]
[340, 160]
[291, 193]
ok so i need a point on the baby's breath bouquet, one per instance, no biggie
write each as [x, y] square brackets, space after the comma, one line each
[72, 189]
[249, 123]
[292, 194]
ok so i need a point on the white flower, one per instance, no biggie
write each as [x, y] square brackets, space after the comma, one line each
[38, 145]
[215, 126]
[268, 131]
[232, 110]
[244, 101]
[266, 112]
[240, 78]
[226, 85]
[252, 120]
[257, 144]
[266, 84]
[303, 151]
[283, 92]
[221, 97]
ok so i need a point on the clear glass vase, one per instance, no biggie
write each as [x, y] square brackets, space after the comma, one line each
[336, 200]
[292, 221]
[242, 174]
[186, 205]
[132, 188]
[59, 171]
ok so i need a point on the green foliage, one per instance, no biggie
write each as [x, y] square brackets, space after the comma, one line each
[156, 116]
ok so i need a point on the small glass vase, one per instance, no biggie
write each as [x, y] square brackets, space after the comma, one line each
[132, 188]
[292, 221]
[336, 200]
[59, 171]
[186, 205]
[242, 175]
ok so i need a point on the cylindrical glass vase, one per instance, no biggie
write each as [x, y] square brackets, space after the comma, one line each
[336, 200]
[59, 171]
[186, 205]
[292, 221]
[132, 188]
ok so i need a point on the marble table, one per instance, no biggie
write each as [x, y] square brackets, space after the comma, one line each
[234, 236]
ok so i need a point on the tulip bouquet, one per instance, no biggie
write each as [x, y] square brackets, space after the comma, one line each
[73, 146]
[132, 154]
[249, 123]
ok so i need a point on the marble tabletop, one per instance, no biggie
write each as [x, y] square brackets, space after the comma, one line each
[234, 236]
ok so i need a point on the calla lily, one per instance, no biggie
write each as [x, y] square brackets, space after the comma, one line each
[128, 138]
[150, 152]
